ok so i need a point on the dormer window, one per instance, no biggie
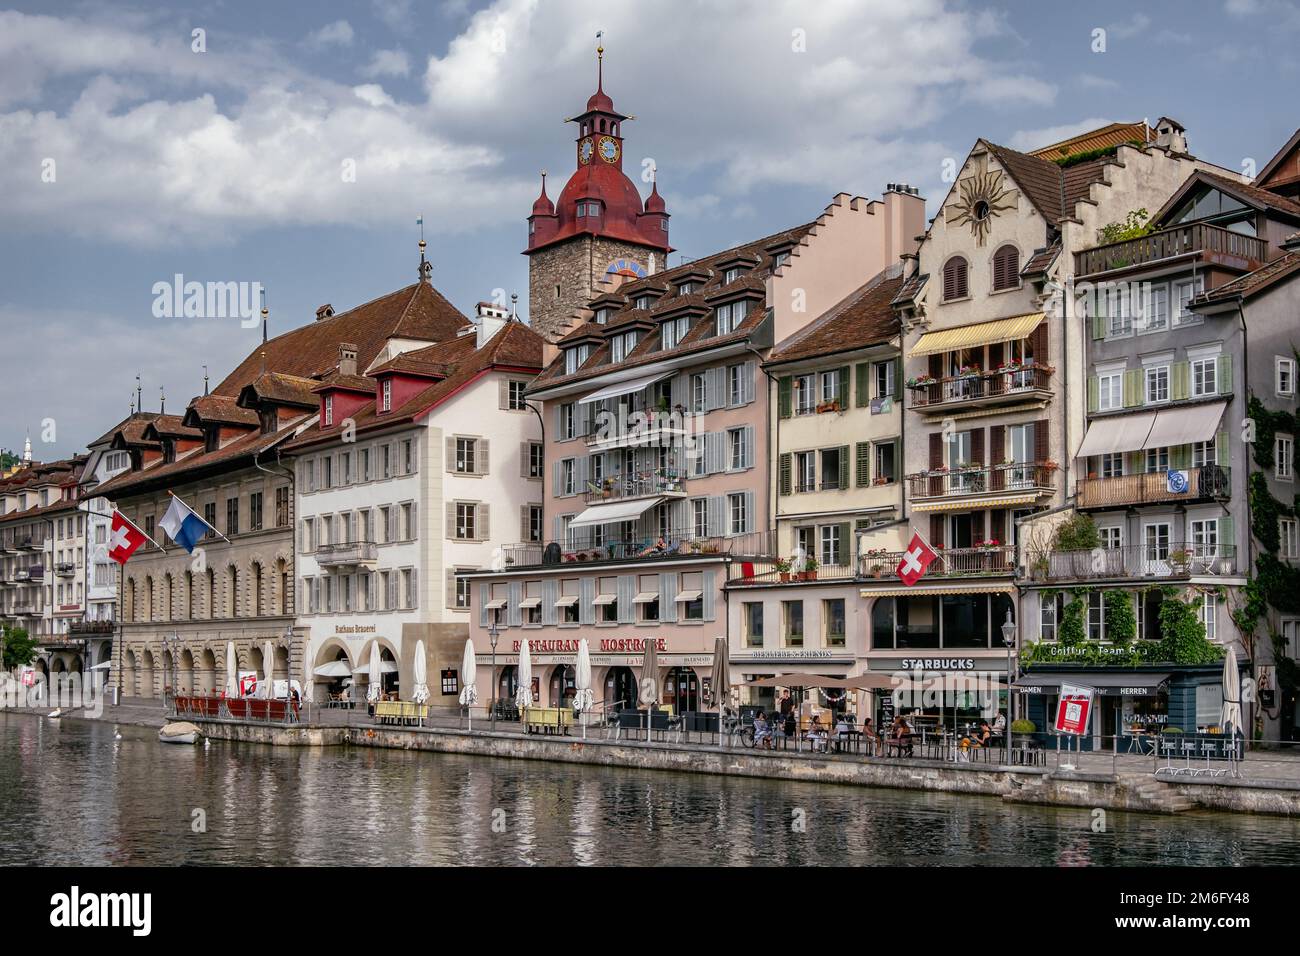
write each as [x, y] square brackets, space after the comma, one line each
[329, 410]
[576, 357]
[386, 396]
[643, 301]
[602, 315]
[729, 315]
[779, 259]
[622, 345]
[731, 275]
[589, 209]
[674, 330]
[686, 288]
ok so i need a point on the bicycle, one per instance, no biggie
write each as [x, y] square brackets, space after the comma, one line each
[737, 728]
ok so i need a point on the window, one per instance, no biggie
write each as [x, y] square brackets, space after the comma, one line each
[1289, 537]
[884, 452]
[805, 471]
[329, 410]
[1006, 268]
[829, 550]
[1209, 614]
[830, 385]
[729, 316]
[805, 398]
[686, 288]
[1205, 537]
[255, 511]
[465, 456]
[386, 396]
[465, 523]
[792, 623]
[1157, 379]
[647, 598]
[534, 523]
[1047, 618]
[955, 279]
[674, 330]
[462, 598]
[1157, 460]
[575, 358]
[1111, 538]
[752, 617]
[408, 589]
[1112, 464]
[737, 455]
[1282, 455]
[386, 461]
[1184, 292]
[621, 346]
[642, 302]
[1205, 376]
[884, 376]
[1110, 391]
[699, 393]
[1203, 453]
[735, 385]
[1119, 309]
[602, 316]
[700, 517]
[737, 509]
[731, 275]
[1155, 316]
[831, 466]
[327, 471]
[210, 516]
[536, 459]
[833, 622]
[1284, 376]
[515, 395]
[779, 259]
[568, 477]
[232, 517]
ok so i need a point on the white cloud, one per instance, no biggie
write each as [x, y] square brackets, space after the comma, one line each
[338, 33]
[387, 63]
[1091, 81]
[1028, 139]
[1133, 26]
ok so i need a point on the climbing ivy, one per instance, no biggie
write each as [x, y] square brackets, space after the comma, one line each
[1182, 634]
[1074, 628]
[1121, 622]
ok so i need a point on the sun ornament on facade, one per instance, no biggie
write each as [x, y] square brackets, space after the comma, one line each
[980, 197]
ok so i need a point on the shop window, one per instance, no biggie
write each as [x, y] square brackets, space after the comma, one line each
[752, 616]
[834, 623]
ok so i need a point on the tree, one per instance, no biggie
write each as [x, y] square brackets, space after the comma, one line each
[19, 647]
[1134, 226]
[1077, 533]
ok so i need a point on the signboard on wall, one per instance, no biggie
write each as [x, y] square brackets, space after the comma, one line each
[1073, 710]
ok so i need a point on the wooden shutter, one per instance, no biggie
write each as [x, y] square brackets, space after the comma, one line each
[668, 597]
[717, 516]
[1040, 440]
[550, 594]
[1179, 381]
[523, 522]
[936, 366]
[1006, 268]
[842, 386]
[977, 446]
[483, 598]
[955, 278]
[503, 393]
[936, 531]
[843, 536]
[751, 517]
[715, 388]
[997, 454]
[783, 474]
[514, 613]
[1221, 456]
[587, 606]
[451, 454]
[936, 461]
[709, 596]
[844, 467]
[1134, 386]
[1038, 343]
[1225, 375]
[863, 384]
[785, 396]
[481, 456]
[482, 528]
[862, 477]
[998, 526]
[1094, 393]
[626, 592]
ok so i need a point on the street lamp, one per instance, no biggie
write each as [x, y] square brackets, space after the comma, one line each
[493, 637]
[1009, 639]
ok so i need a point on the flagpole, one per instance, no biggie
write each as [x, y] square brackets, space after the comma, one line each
[199, 516]
[142, 534]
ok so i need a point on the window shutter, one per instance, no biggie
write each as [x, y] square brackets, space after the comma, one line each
[482, 529]
[677, 390]
[936, 531]
[451, 454]
[450, 588]
[413, 599]
[784, 396]
[717, 516]
[550, 594]
[1094, 393]
[481, 456]
[1133, 385]
[862, 385]
[1221, 450]
[392, 524]
[668, 597]
[844, 467]
[555, 479]
[1099, 326]
[747, 383]
[863, 462]
[1180, 456]
[977, 446]
[1038, 343]
[483, 599]
[1040, 440]
[587, 605]
[955, 278]
[898, 378]
[503, 393]
[559, 421]
[842, 535]
[1225, 375]
[716, 451]
[936, 449]
[514, 614]
[783, 474]
[709, 596]
[1227, 536]
[557, 531]
[715, 388]
[626, 592]
[997, 444]
[523, 522]
[998, 526]
[751, 518]
[748, 439]
[523, 459]
[1179, 378]
[842, 387]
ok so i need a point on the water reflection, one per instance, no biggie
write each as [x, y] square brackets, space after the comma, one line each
[70, 793]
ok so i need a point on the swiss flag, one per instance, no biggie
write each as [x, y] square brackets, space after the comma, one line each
[124, 540]
[916, 559]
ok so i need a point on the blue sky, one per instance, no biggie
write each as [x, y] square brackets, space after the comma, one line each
[227, 165]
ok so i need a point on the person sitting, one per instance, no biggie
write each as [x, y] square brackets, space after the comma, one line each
[762, 732]
[659, 547]
[901, 736]
[870, 736]
[816, 736]
[981, 737]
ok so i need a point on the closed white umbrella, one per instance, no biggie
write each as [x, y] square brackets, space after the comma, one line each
[583, 699]
[468, 673]
[375, 686]
[232, 670]
[721, 676]
[649, 689]
[420, 675]
[1230, 715]
[524, 692]
[268, 668]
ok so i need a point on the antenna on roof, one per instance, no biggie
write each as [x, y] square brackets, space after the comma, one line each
[162, 400]
[265, 315]
[205, 380]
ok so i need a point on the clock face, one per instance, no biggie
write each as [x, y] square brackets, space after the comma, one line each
[608, 149]
[585, 149]
[626, 267]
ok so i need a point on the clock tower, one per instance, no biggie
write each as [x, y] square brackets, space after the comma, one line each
[599, 231]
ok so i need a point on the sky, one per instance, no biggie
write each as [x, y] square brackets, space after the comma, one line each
[295, 145]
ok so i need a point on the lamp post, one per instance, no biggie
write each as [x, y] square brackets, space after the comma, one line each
[493, 637]
[1009, 639]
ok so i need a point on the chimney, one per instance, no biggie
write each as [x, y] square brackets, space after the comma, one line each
[489, 320]
[905, 210]
[347, 357]
[324, 312]
[1171, 135]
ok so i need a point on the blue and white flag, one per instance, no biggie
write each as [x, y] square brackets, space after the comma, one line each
[183, 525]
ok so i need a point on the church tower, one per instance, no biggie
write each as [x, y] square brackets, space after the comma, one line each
[599, 231]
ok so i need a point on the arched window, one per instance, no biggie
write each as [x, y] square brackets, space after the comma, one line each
[148, 599]
[955, 279]
[1006, 268]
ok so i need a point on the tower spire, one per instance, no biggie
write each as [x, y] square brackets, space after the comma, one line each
[205, 380]
[139, 393]
[600, 61]
[426, 267]
[266, 314]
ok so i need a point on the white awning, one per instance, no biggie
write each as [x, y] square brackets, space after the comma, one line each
[646, 597]
[496, 605]
[684, 597]
[602, 599]
[623, 388]
[531, 602]
[614, 511]
[1121, 433]
[385, 667]
[1182, 426]
[567, 601]
[338, 668]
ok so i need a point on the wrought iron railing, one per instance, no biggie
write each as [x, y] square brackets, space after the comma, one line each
[999, 383]
[1163, 560]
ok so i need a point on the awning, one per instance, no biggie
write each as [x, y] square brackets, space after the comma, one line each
[603, 599]
[965, 503]
[987, 588]
[531, 602]
[646, 597]
[1182, 426]
[623, 388]
[1117, 683]
[496, 605]
[614, 511]
[385, 667]
[981, 333]
[1121, 433]
[567, 600]
[687, 596]
[334, 669]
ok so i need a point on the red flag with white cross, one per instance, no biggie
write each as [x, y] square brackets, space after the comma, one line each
[916, 559]
[124, 539]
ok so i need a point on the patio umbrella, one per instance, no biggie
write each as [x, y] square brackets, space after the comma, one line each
[420, 675]
[584, 698]
[524, 692]
[374, 688]
[232, 670]
[268, 667]
[649, 690]
[721, 675]
[1230, 715]
[469, 691]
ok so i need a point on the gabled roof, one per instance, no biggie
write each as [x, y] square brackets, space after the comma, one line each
[1252, 283]
[278, 389]
[910, 288]
[170, 426]
[864, 318]
[1053, 191]
[1289, 147]
[222, 409]
[1259, 199]
[1041, 260]
[132, 427]
[1113, 134]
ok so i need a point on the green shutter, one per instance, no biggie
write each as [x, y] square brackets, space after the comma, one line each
[1227, 536]
[1180, 457]
[1179, 378]
[844, 466]
[863, 385]
[1225, 374]
[784, 396]
[864, 464]
[898, 377]
[842, 532]
[1093, 393]
[1221, 448]
[842, 387]
[1132, 387]
[1098, 326]
[783, 474]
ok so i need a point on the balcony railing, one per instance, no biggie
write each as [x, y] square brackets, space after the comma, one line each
[962, 482]
[1137, 562]
[1175, 241]
[347, 554]
[91, 627]
[641, 485]
[883, 566]
[981, 388]
[65, 569]
[675, 544]
[1207, 482]
[35, 573]
[30, 542]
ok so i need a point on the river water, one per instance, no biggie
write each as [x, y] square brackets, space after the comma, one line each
[70, 793]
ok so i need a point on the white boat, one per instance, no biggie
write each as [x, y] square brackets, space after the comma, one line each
[179, 732]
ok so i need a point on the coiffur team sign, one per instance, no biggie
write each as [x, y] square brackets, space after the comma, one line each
[1073, 710]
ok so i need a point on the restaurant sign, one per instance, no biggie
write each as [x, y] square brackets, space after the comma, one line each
[608, 645]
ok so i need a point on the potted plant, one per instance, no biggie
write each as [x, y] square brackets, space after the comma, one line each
[783, 570]
[1179, 559]
[810, 566]
[1022, 732]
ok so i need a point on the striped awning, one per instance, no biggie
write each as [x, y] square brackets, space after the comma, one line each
[962, 504]
[981, 333]
[990, 587]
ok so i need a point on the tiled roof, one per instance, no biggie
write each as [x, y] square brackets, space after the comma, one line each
[1041, 260]
[409, 362]
[220, 408]
[1113, 135]
[1253, 282]
[281, 389]
[864, 318]
[1253, 194]
[911, 288]
[133, 425]
[514, 346]
[418, 311]
[358, 383]
[1052, 190]
[170, 426]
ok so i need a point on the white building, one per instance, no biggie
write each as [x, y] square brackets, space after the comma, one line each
[418, 468]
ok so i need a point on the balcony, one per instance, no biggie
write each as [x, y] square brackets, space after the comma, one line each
[1168, 561]
[660, 482]
[676, 544]
[84, 628]
[982, 389]
[34, 574]
[1221, 246]
[1205, 483]
[347, 554]
[30, 542]
[8, 545]
[65, 569]
[25, 609]
[982, 482]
